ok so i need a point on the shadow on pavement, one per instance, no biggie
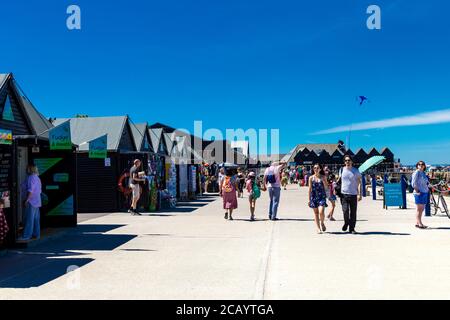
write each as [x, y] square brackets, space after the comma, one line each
[179, 209]
[248, 220]
[372, 233]
[137, 250]
[198, 205]
[36, 266]
[295, 219]
[188, 206]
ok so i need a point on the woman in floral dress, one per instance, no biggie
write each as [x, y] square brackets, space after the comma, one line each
[318, 197]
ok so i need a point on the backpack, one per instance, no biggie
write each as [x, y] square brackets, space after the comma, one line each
[271, 177]
[227, 185]
[256, 190]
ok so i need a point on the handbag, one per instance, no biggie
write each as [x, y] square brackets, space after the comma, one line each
[338, 188]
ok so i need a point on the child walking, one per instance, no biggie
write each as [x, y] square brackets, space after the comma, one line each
[254, 189]
[331, 196]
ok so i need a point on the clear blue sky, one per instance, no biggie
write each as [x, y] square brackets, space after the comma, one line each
[292, 65]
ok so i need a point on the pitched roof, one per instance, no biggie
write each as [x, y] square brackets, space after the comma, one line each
[86, 129]
[38, 123]
[373, 152]
[138, 131]
[156, 138]
[158, 125]
[176, 145]
[337, 153]
[291, 154]
[3, 78]
[265, 158]
[316, 147]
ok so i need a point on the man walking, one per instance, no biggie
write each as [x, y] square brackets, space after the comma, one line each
[273, 179]
[351, 193]
[135, 187]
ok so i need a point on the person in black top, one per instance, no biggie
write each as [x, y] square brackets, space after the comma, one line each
[134, 185]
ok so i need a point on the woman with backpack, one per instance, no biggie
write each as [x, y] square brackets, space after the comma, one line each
[254, 189]
[229, 189]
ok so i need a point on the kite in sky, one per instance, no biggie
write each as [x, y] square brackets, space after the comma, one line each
[362, 99]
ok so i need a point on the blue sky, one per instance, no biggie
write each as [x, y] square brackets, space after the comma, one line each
[296, 66]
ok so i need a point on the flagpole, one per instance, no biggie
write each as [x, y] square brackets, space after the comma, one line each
[349, 136]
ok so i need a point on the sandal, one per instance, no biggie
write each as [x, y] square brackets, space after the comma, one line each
[231, 218]
[323, 227]
[421, 227]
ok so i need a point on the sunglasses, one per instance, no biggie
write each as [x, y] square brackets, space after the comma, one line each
[347, 160]
[421, 164]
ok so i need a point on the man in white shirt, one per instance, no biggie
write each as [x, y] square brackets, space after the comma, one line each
[351, 193]
[272, 178]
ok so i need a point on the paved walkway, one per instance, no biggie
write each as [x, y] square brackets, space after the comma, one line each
[194, 253]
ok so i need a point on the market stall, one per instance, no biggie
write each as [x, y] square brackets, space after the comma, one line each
[24, 141]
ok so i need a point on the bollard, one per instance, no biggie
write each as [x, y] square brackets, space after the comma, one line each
[363, 183]
[428, 206]
[403, 182]
[374, 187]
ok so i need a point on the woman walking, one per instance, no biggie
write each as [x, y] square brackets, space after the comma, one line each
[229, 189]
[317, 196]
[254, 188]
[420, 184]
[331, 196]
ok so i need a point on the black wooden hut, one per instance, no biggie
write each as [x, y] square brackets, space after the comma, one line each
[337, 157]
[324, 157]
[360, 156]
[24, 141]
[373, 152]
[99, 179]
[388, 154]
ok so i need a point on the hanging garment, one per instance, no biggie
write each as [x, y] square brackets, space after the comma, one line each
[3, 225]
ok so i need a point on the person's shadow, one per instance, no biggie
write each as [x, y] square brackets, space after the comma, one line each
[374, 233]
